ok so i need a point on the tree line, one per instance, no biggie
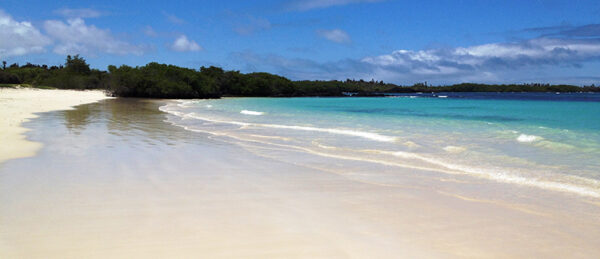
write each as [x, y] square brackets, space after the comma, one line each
[156, 80]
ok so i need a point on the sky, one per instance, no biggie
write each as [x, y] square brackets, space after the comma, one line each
[402, 42]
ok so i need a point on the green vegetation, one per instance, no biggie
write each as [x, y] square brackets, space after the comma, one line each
[76, 74]
[160, 81]
[168, 81]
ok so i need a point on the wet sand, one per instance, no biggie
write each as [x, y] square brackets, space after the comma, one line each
[114, 180]
[20, 105]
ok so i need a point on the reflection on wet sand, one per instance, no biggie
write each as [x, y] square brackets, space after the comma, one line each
[76, 119]
[125, 117]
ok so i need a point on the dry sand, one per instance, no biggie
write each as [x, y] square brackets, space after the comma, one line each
[19, 105]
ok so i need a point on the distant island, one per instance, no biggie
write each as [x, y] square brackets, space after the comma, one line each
[156, 80]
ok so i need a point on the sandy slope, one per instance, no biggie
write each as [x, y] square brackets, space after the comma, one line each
[18, 105]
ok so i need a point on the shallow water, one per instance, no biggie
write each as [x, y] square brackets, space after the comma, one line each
[117, 179]
[541, 140]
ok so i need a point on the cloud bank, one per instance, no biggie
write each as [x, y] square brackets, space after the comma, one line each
[76, 37]
[481, 62]
[71, 37]
[19, 38]
[558, 48]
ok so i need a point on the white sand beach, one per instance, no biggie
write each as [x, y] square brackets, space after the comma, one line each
[114, 179]
[19, 105]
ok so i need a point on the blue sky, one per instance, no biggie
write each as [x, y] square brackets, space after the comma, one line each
[396, 41]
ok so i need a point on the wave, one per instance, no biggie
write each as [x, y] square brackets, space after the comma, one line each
[254, 113]
[528, 138]
[355, 133]
[366, 135]
[451, 168]
[503, 176]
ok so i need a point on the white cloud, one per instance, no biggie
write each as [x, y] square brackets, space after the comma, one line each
[336, 35]
[304, 5]
[488, 58]
[78, 13]
[524, 61]
[19, 38]
[183, 44]
[75, 37]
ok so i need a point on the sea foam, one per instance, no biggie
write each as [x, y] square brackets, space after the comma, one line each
[254, 113]
[504, 176]
[355, 133]
[528, 138]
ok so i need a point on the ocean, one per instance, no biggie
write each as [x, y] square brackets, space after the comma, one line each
[546, 141]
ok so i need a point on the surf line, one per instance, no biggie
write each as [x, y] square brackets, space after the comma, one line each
[450, 168]
[362, 134]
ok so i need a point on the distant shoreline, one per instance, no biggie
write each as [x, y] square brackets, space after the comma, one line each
[166, 81]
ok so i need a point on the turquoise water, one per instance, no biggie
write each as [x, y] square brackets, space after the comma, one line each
[537, 140]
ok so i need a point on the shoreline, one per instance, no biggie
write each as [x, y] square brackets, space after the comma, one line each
[114, 179]
[20, 105]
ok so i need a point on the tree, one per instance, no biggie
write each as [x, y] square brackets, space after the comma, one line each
[4, 65]
[6, 78]
[212, 71]
[77, 65]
